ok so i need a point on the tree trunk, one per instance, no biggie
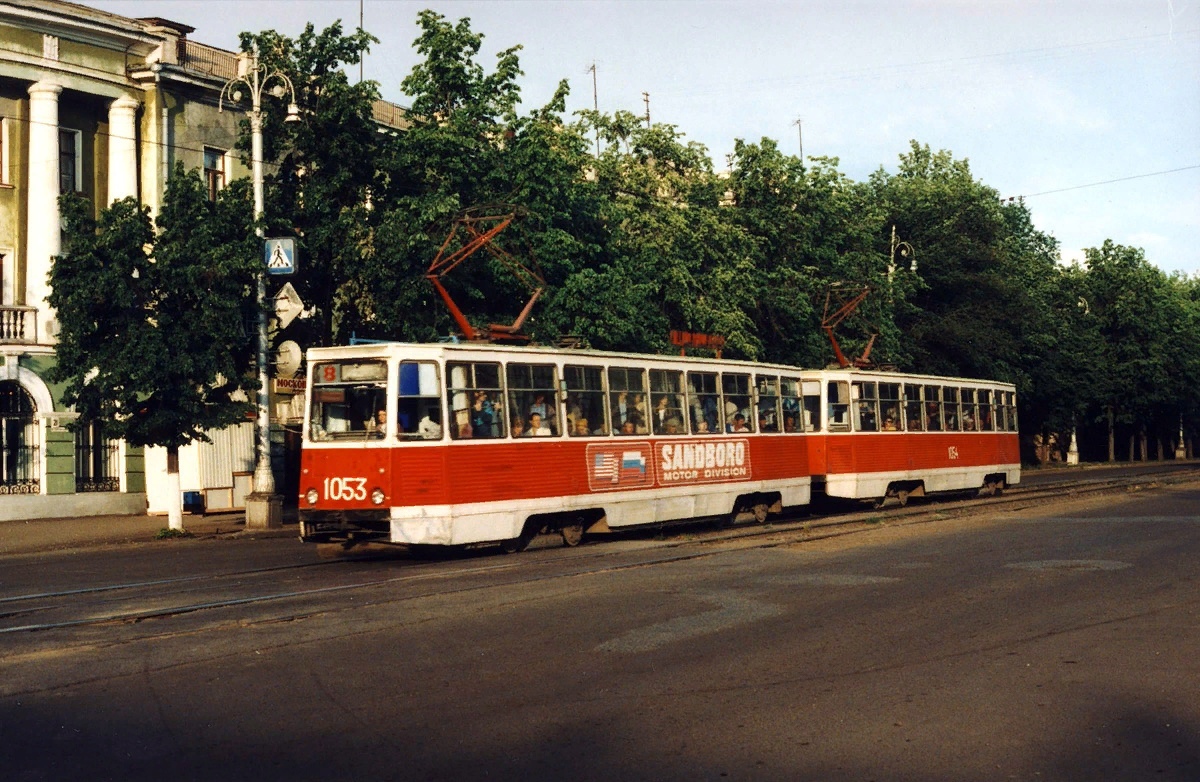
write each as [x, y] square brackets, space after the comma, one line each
[174, 497]
[1158, 448]
[1142, 449]
[1132, 443]
[1112, 437]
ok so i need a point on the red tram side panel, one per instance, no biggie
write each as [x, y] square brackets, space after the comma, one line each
[466, 493]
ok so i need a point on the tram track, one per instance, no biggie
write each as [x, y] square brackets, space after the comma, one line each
[138, 602]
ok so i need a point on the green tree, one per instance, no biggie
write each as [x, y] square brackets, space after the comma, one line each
[812, 227]
[152, 342]
[962, 319]
[1136, 314]
[468, 147]
[326, 165]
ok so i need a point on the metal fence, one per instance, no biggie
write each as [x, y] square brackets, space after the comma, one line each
[97, 461]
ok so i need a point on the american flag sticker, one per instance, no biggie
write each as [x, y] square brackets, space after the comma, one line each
[619, 466]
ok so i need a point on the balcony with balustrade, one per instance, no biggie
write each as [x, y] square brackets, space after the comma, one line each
[18, 325]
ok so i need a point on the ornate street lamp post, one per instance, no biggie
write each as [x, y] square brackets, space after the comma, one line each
[264, 508]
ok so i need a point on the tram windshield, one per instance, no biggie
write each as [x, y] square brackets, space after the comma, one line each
[349, 400]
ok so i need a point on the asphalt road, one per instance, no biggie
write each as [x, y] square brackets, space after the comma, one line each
[1038, 640]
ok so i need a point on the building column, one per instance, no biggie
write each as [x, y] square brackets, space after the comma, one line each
[122, 148]
[45, 225]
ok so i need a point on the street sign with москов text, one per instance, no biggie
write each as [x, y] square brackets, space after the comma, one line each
[280, 256]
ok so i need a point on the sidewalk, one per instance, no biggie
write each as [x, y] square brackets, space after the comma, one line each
[24, 537]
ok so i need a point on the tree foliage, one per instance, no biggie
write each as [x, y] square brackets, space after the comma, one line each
[152, 341]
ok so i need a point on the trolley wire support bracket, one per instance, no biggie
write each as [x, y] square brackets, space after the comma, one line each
[476, 228]
[843, 299]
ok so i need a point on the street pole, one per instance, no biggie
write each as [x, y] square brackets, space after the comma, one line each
[264, 508]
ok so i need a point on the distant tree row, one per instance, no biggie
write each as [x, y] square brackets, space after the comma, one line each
[646, 236]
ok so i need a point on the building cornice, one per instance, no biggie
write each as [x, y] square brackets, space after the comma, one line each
[81, 24]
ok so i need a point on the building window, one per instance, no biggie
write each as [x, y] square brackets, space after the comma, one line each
[20, 462]
[70, 145]
[214, 171]
[97, 461]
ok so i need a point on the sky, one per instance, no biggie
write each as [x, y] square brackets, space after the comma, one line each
[1090, 109]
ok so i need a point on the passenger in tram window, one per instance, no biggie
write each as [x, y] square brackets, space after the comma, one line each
[932, 420]
[889, 422]
[661, 413]
[537, 428]
[430, 426]
[968, 421]
[789, 423]
[518, 426]
[539, 405]
[482, 415]
[627, 428]
[866, 417]
[378, 422]
[574, 410]
[672, 426]
[702, 427]
[739, 424]
[580, 428]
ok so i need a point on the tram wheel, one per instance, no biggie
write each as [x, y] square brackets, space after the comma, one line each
[572, 534]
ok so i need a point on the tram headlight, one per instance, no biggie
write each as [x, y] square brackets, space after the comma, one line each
[312, 496]
[377, 496]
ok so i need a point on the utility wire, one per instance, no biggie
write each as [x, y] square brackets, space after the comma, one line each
[1106, 182]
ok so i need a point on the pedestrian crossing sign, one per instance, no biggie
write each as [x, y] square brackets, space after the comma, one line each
[280, 256]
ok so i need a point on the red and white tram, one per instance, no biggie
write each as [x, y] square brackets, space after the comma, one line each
[453, 444]
[894, 435]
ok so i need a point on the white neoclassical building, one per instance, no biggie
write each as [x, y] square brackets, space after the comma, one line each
[102, 105]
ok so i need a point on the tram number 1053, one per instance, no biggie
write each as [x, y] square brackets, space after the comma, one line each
[346, 489]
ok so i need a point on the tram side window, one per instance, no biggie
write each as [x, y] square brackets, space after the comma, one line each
[913, 412]
[419, 406]
[933, 408]
[739, 417]
[476, 400]
[967, 397]
[1011, 405]
[795, 417]
[627, 400]
[889, 407]
[585, 401]
[533, 399]
[1001, 417]
[986, 414]
[704, 403]
[950, 411]
[348, 400]
[838, 401]
[666, 401]
[812, 405]
[768, 403]
[866, 411]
